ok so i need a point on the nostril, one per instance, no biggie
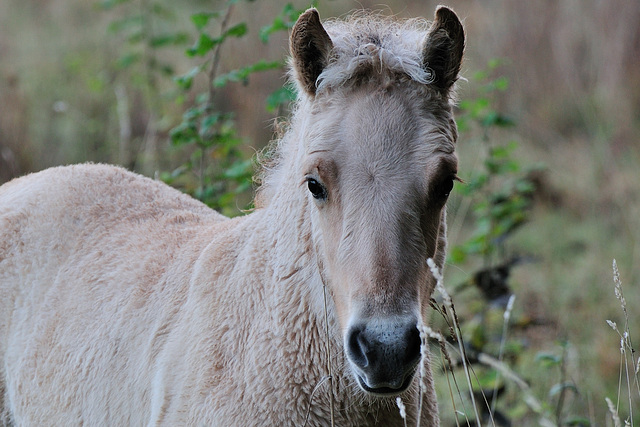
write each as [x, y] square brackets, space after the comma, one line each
[358, 347]
[383, 353]
[412, 338]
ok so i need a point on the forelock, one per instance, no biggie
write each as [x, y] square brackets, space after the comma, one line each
[368, 46]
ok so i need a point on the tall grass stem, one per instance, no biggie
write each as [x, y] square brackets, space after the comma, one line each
[503, 341]
[435, 271]
[329, 368]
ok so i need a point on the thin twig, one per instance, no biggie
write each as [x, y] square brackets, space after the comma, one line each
[213, 72]
[322, 380]
[328, 337]
[503, 340]
[326, 321]
[215, 62]
[563, 378]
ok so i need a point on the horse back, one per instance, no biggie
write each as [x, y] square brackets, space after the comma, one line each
[85, 252]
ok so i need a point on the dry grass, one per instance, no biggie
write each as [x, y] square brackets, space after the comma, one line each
[620, 411]
[629, 378]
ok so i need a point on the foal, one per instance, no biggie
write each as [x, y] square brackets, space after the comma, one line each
[124, 302]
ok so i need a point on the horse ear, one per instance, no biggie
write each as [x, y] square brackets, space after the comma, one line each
[310, 47]
[443, 48]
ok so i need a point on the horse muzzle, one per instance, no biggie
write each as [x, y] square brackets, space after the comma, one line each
[384, 354]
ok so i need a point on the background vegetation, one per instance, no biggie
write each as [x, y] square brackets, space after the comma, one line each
[549, 113]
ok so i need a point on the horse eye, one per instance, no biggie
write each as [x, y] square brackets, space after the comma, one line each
[317, 190]
[446, 186]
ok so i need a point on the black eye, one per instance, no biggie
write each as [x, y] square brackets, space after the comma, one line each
[317, 190]
[445, 187]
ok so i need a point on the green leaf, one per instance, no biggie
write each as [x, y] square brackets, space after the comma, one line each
[524, 186]
[200, 20]
[208, 123]
[166, 69]
[277, 25]
[168, 39]
[242, 74]
[136, 36]
[239, 170]
[109, 4]
[463, 123]
[480, 75]
[457, 255]
[493, 118]
[494, 63]
[225, 199]
[284, 95]
[238, 30]
[577, 422]
[128, 60]
[205, 43]
[163, 12]
[186, 80]
[133, 21]
[501, 83]
[557, 388]
[283, 22]
[202, 46]
[548, 359]
[183, 134]
[244, 183]
[187, 131]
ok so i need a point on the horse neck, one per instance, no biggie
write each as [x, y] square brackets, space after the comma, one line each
[292, 254]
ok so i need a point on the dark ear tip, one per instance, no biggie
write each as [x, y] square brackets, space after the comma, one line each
[309, 14]
[448, 18]
[444, 12]
[312, 11]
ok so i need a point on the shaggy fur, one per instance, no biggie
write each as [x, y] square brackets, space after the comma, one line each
[125, 302]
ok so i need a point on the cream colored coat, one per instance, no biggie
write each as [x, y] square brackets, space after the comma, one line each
[125, 302]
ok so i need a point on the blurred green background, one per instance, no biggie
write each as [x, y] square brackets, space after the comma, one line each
[554, 83]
